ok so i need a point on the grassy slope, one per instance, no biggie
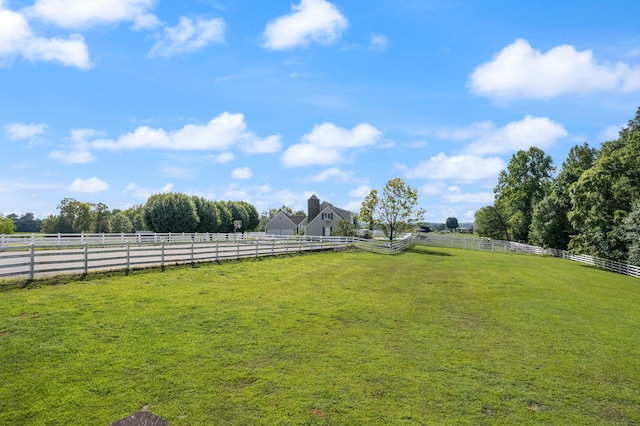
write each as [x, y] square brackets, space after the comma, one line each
[433, 336]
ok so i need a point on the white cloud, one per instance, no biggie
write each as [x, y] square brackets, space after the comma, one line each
[311, 20]
[189, 36]
[84, 13]
[81, 138]
[378, 42]
[360, 192]
[22, 131]
[225, 157]
[519, 71]
[479, 197]
[73, 157]
[432, 189]
[143, 193]
[460, 168]
[327, 143]
[486, 138]
[219, 134]
[333, 173]
[242, 173]
[268, 145]
[91, 185]
[17, 39]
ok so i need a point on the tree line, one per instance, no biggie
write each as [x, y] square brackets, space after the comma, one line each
[166, 212]
[591, 206]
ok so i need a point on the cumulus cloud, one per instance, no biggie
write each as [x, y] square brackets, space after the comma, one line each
[73, 157]
[22, 131]
[242, 173]
[17, 39]
[459, 168]
[79, 152]
[310, 21]
[333, 173]
[92, 185]
[219, 134]
[83, 13]
[360, 192]
[327, 144]
[519, 71]
[141, 192]
[189, 36]
[486, 138]
[223, 158]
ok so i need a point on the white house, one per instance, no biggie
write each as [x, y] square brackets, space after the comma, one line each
[321, 220]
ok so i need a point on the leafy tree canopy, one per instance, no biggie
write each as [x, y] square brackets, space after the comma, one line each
[397, 209]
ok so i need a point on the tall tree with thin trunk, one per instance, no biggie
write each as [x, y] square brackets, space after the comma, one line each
[398, 209]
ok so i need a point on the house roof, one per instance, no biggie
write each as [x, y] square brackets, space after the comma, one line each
[297, 220]
[345, 214]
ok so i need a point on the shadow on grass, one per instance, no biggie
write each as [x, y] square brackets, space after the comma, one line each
[427, 251]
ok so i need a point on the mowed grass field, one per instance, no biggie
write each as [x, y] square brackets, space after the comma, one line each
[428, 337]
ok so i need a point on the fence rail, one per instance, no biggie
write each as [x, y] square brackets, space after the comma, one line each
[89, 254]
[57, 240]
[38, 255]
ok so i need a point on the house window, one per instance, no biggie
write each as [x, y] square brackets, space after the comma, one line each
[327, 216]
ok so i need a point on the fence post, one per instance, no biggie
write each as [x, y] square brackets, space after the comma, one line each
[300, 240]
[128, 257]
[238, 252]
[32, 263]
[217, 242]
[257, 246]
[86, 258]
[273, 247]
[162, 255]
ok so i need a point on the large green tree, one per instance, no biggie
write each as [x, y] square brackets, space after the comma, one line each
[75, 217]
[171, 212]
[7, 226]
[491, 222]
[368, 208]
[101, 218]
[208, 214]
[26, 223]
[238, 212]
[603, 196]
[397, 209]
[253, 217]
[226, 217]
[452, 223]
[525, 182]
[550, 225]
[632, 233]
[136, 217]
[121, 223]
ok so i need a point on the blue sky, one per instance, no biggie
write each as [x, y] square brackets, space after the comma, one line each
[271, 101]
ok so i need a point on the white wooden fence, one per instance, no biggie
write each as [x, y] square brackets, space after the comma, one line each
[58, 240]
[81, 254]
[39, 255]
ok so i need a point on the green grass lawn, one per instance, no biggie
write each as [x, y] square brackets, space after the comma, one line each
[431, 336]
